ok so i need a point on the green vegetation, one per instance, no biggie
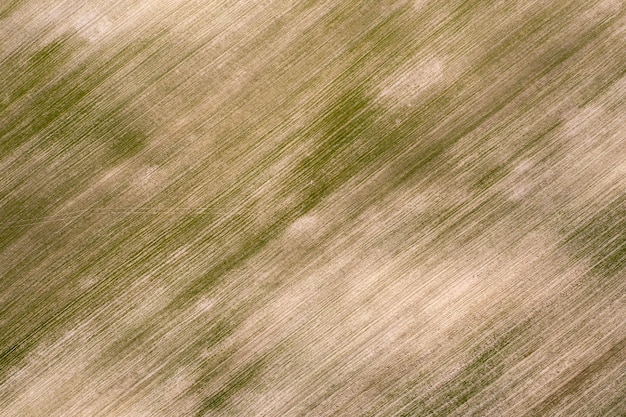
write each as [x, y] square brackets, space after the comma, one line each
[240, 380]
[491, 363]
[329, 208]
[603, 239]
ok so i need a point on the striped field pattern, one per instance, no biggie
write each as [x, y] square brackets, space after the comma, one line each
[312, 208]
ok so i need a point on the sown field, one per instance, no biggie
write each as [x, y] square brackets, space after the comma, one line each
[312, 208]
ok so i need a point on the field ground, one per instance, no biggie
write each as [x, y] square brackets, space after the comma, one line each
[290, 208]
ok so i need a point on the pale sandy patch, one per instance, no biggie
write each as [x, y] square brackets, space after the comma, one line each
[406, 86]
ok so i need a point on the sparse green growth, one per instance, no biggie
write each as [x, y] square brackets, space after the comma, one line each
[348, 136]
[487, 367]
[126, 144]
[310, 208]
[491, 177]
[18, 215]
[236, 383]
[9, 8]
[603, 239]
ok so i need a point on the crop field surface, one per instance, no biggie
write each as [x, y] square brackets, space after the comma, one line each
[312, 208]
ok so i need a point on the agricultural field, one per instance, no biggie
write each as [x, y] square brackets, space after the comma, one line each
[312, 208]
